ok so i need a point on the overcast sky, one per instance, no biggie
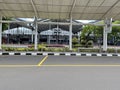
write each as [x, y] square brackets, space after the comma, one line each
[83, 21]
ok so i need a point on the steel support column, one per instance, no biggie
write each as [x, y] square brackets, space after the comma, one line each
[36, 34]
[70, 35]
[0, 33]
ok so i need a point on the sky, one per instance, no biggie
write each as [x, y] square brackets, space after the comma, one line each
[83, 21]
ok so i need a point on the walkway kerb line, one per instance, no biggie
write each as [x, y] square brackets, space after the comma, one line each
[39, 64]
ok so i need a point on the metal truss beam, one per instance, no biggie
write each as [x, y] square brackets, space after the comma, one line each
[57, 23]
[73, 5]
[34, 8]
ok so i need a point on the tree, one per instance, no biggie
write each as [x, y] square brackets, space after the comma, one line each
[85, 35]
[74, 41]
[114, 36]
[5, 25]
[91, 32]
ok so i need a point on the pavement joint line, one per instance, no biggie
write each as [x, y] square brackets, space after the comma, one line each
[81, 65]
[43, 60]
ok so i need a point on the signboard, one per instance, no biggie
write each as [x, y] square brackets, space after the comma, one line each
[108, 23]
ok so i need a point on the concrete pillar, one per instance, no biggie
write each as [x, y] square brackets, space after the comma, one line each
[107, 29]
[32, 36]
[70, 35]
[36, 34]
[78, 37]
[8, 33]
[48, 39]
[0, 33]
[105, 39]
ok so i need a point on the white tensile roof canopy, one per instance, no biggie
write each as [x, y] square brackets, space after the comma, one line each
[61, 9]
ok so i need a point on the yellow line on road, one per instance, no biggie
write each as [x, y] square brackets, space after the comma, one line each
[81, 65]
[43, 60]
[18, 65]
[40, 64]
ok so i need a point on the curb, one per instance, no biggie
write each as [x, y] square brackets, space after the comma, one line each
[58, 54]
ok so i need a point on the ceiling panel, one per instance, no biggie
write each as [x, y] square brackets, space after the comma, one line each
[57, 2]
[117, 17]
[8, 13]
[78, 9]
[54, 15]
[49, 2]
[44, 15]
[115, 10]
[16, 1]
[18, 13]
[40, 2]
[90, 9]
[77, 16]
[109, 16]
[97, 16]
[42, 8]
[3, 6]
[26, 6]
[95, 2]
[64, 16]
[54, 9]
[16, 6]
[102, 9]
[65, 8]
[65, 2]
[82, 2]
[60, 9]
[112, 13]
[109, 2]
[118, 4]
[87, 17]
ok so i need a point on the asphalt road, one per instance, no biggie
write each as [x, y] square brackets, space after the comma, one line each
[60, 77]
[73, 60]
[20, 60]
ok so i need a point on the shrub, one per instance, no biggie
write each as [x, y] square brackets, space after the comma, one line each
[90, 43]
[21, 49]
[111, 50]
[83, 42]
[89, 50]
[30, 49]
[74, 40]
[66, 49]
[41, 47]
[9, 49]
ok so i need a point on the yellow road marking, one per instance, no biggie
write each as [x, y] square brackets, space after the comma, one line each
[59, 65]
[40, 63]
[18, 65]
[82, 65]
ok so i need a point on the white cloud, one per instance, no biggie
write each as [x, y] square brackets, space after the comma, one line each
[85, 21]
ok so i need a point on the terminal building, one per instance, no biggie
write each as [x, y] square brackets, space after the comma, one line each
[48, 34]
[60, 10]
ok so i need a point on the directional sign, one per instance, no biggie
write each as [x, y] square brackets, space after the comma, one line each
[108, 23]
